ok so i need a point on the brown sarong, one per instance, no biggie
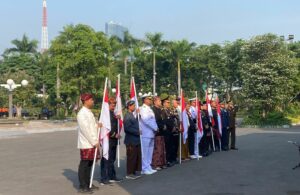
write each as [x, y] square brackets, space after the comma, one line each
[159, 153]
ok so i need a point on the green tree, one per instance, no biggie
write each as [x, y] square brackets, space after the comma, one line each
[82, 55]
[268, 73]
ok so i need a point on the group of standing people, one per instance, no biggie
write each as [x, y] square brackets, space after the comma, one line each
[152, 136]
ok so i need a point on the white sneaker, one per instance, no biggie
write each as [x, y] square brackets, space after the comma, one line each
[152, 171]
[199, 156]
[193, 157]
[147, 172]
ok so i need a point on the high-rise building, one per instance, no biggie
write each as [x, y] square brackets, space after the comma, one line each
[115, 29]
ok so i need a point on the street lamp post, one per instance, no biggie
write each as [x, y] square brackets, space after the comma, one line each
[10, 86]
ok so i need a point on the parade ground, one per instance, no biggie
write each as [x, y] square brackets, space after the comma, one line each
[46, 163]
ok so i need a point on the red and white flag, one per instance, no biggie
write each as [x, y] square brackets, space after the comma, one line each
[105, 120]
[184, 119]
[199, 119]
[118, 109]
[210, 114]
[219, 115]
[133, 95]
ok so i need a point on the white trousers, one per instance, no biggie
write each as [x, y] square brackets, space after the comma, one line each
[148, 147]
[196, 151]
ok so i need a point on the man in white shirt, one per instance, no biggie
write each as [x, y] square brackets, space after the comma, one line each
[194, 115]
[87, 143]
[149, 128]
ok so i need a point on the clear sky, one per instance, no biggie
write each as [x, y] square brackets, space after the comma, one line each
[201, 21]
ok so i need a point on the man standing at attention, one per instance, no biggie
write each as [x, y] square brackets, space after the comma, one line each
[87, 143]
[149, 128]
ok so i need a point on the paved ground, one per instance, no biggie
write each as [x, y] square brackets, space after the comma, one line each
[47, 164]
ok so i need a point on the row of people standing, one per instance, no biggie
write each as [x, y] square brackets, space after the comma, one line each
[151, 136]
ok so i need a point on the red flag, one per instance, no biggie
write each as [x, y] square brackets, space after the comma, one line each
[219, 115]
[118, 109]
[210, 114]
[184, 119]
[199, 119]
[105, 120]
[133, 95]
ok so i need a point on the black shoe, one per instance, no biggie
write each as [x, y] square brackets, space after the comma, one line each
[85, 191]
[94, 187]
[234, 148]
[115, 180]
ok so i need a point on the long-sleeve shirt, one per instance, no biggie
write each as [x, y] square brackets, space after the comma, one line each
[148, 123]
[131, 128]
[114, 129]
[87, 129]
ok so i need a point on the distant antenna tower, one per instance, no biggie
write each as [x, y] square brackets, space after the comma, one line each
[44, 43]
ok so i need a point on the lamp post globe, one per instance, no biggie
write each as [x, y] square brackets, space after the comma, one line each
[24, 83]
[10, 82]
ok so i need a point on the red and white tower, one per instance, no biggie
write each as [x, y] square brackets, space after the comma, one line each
[44, 43]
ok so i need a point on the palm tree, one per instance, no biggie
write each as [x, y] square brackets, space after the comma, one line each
[23, 46]
[155, 42]
[179, 50]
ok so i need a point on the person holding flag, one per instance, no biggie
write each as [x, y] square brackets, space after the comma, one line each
[194, 115]
[210, 115]
[108, 172]
[199, 133]
[149, 128]
[206, 140]
[216, 125]
[87, 142]
[225, 126]
[183, 136]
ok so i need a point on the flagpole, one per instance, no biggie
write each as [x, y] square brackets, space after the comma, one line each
[95, 155]
[197, 107]
[118, 146]
[181, 127]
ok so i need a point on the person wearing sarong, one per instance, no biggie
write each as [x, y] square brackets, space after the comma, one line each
[87, 143]
[159, 153]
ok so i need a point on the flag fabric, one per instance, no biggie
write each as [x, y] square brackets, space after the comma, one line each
[219, 115]
[184, 119]
[210, 114]
[118, 109]
[133, 96]
[199, 120]
[106, 126]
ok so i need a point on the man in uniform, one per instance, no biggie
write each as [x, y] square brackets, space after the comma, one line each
[205, 141]
[170, 128]
[175, 112]
[87, 142]
[149, 128]
[194, 115]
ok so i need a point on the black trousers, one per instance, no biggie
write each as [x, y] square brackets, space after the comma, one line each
[134, 158]
[108, 171]
[174, 152]
[84, 173]
[191, 141]
[231, 134]
[204, 144]
[224, 138]
[168, 145]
